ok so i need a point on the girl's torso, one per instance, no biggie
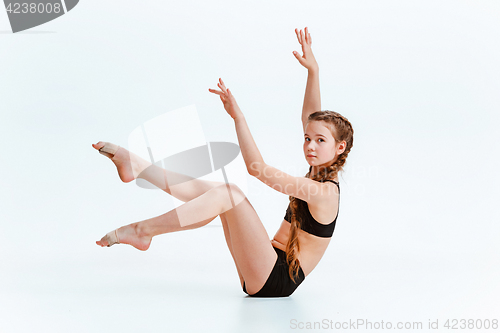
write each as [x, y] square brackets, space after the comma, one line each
[312, 247]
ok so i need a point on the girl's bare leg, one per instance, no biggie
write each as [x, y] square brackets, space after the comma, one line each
[130, 166]
[193, 214]
[250, 245]
[227, 235]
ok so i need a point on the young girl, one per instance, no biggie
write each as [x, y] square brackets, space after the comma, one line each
[266, 268]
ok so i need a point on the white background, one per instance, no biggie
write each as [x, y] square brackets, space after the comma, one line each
[417, 234]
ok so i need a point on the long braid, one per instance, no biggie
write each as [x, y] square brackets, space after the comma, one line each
[341, 130]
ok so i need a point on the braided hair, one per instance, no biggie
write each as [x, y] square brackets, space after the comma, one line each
[341, 130]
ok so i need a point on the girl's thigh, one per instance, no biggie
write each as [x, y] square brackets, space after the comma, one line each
[251, 246]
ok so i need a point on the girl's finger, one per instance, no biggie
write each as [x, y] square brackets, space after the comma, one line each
[297, 33]
[223, 85]
[297, 55]
[220, 93]
[222, 88]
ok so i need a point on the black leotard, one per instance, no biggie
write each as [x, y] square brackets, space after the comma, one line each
[308, 223]
[279, 284]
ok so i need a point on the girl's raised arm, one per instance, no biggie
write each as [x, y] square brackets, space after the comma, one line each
[312, 100]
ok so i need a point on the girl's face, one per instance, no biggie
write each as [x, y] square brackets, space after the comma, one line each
[320, 147]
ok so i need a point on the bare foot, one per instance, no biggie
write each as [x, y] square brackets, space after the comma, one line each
[128, 164]
[132, 235]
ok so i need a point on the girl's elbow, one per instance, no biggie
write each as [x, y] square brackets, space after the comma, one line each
[254, 169]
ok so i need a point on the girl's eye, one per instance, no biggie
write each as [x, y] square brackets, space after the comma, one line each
[307, 139]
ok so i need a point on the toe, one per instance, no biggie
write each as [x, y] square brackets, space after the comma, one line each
[101, 243]
[98, 145]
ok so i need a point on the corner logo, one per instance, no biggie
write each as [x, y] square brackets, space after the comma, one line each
[31, 13]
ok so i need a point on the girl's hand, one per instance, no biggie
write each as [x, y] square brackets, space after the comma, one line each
[307, 60]
[227, 99]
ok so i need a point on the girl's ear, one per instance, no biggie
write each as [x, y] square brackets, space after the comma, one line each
[341, 147]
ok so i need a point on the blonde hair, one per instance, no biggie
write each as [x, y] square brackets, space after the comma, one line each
[341, 130]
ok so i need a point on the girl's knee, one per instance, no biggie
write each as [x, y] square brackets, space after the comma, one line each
[230, 195]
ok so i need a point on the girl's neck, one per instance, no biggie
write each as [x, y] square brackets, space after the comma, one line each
[312, 174]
